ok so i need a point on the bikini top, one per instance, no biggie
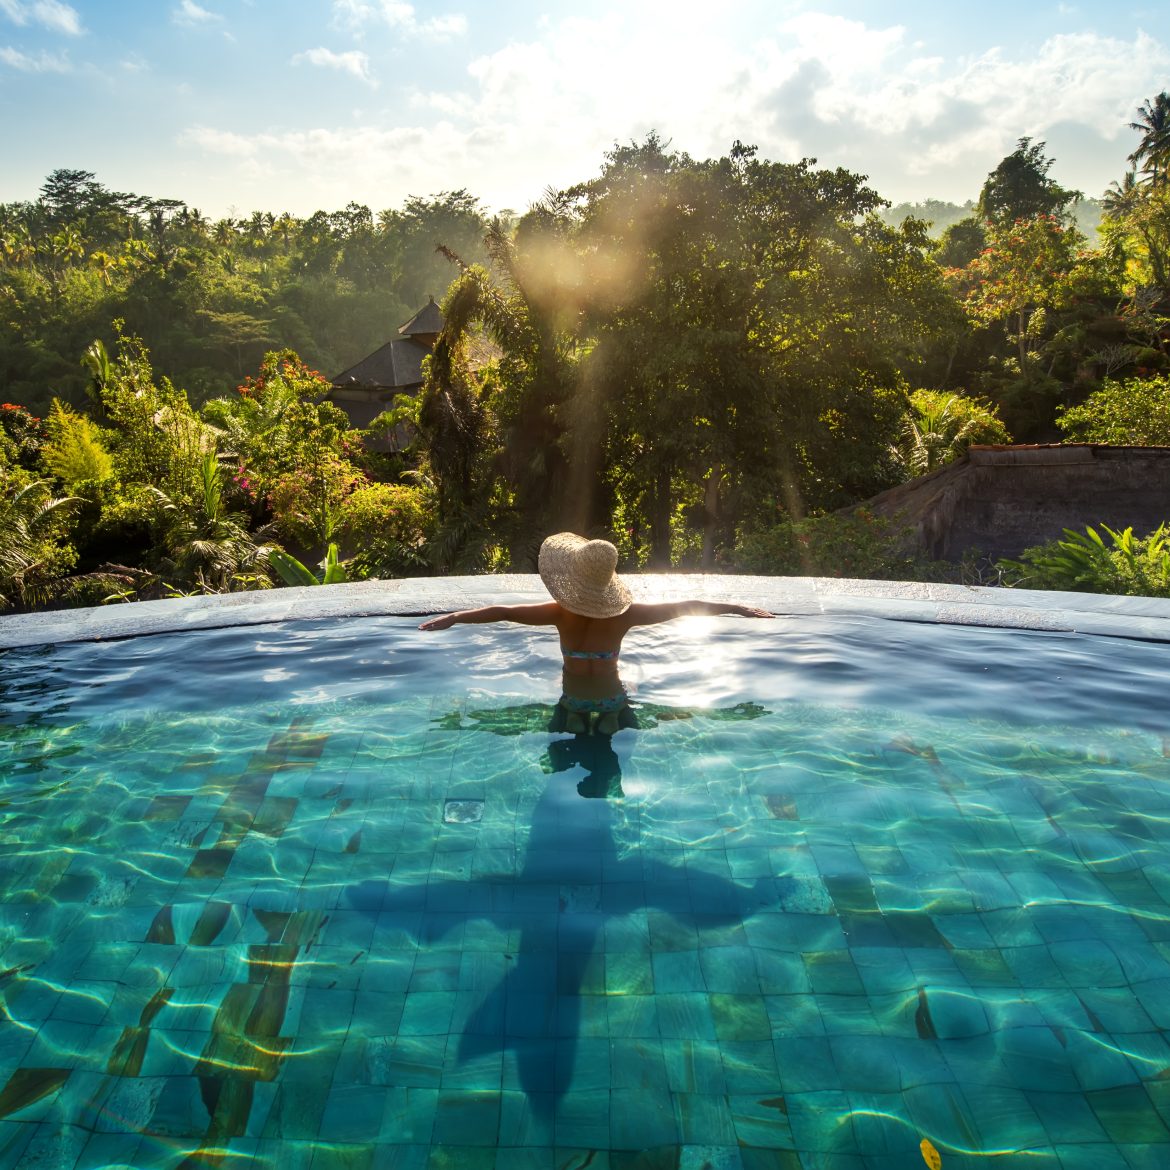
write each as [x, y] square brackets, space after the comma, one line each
[594, 655]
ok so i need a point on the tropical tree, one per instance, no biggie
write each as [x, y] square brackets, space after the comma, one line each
[293, 450]
[1020, 187]
[510, 410]
[452, 416]
[960, 243]
[155, 437]
[752, 320]
[105, 265]
[1137, 228]
[1152, 153]
[1121, 196]
[1024, 286]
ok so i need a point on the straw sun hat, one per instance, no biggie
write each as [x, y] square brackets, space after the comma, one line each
[579, 573]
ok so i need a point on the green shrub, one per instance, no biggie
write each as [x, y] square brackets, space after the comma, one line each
[387, 526]
[35, 552]
[1084, 562]
[1133, 412]
[858, 544]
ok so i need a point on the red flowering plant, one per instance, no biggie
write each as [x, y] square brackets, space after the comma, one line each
[306, 504]
[25, 433]
[1024, 271]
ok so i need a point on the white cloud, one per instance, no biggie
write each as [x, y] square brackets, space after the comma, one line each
[392, 162]
[857, 95]
[190, 13]
[864, 96]
[353, 62]
[950, 122]
[356, 15]
[57, 16]
[41, 63]
[221, 141]
[51, 14]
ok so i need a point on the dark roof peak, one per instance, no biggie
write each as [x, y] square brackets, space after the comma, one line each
[427, 320]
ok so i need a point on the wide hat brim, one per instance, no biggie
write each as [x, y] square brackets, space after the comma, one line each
[580, 575]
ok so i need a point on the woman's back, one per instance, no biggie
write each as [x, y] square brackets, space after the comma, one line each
[590, 646]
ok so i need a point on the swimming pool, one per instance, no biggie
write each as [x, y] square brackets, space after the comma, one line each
[327, 893]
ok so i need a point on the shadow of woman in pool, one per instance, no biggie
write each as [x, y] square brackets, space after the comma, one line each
[576, 887]
[594, 753]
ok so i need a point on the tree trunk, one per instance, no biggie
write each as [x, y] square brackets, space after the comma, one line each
[711, 516]
[660, 522]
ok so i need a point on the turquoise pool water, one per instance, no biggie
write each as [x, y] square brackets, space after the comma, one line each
[328, 894]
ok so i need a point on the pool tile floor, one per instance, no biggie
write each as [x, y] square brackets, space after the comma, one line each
[335, 947]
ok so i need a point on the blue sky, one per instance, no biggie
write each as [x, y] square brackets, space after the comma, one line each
[292, 105]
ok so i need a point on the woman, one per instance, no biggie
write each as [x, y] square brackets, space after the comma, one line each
[592, 609]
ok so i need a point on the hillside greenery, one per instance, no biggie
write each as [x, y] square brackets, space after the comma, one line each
[700, 358]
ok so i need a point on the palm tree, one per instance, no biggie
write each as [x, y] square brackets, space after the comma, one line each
[284, 228]
[1121, 197]
[940, 427]
[195, 222]
[16, 244]
[256, 228]
[1153, 124]
[105, 265]
[67, 245]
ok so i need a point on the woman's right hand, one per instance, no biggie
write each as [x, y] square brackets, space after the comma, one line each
[749, 611]
[439, 623]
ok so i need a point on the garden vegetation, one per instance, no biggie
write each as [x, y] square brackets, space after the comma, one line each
[705, 360]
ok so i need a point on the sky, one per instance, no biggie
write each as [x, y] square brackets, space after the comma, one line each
[297, 105]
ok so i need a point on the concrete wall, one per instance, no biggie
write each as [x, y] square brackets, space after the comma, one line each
[1002, 500]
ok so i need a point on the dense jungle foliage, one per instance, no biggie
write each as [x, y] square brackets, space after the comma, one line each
[702, 359]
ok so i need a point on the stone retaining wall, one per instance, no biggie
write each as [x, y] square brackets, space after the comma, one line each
[1001, 500]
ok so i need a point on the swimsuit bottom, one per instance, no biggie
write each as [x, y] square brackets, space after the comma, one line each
[592, 655]
[601, 706]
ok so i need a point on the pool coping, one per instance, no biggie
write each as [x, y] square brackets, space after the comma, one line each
[1142, 618]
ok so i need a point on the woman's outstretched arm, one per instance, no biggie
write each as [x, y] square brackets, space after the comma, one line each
[543, 614]
[665, 611]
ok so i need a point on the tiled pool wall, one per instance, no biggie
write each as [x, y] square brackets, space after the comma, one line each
[1147, 618]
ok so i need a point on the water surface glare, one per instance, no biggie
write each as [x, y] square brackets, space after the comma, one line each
[329, 894]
